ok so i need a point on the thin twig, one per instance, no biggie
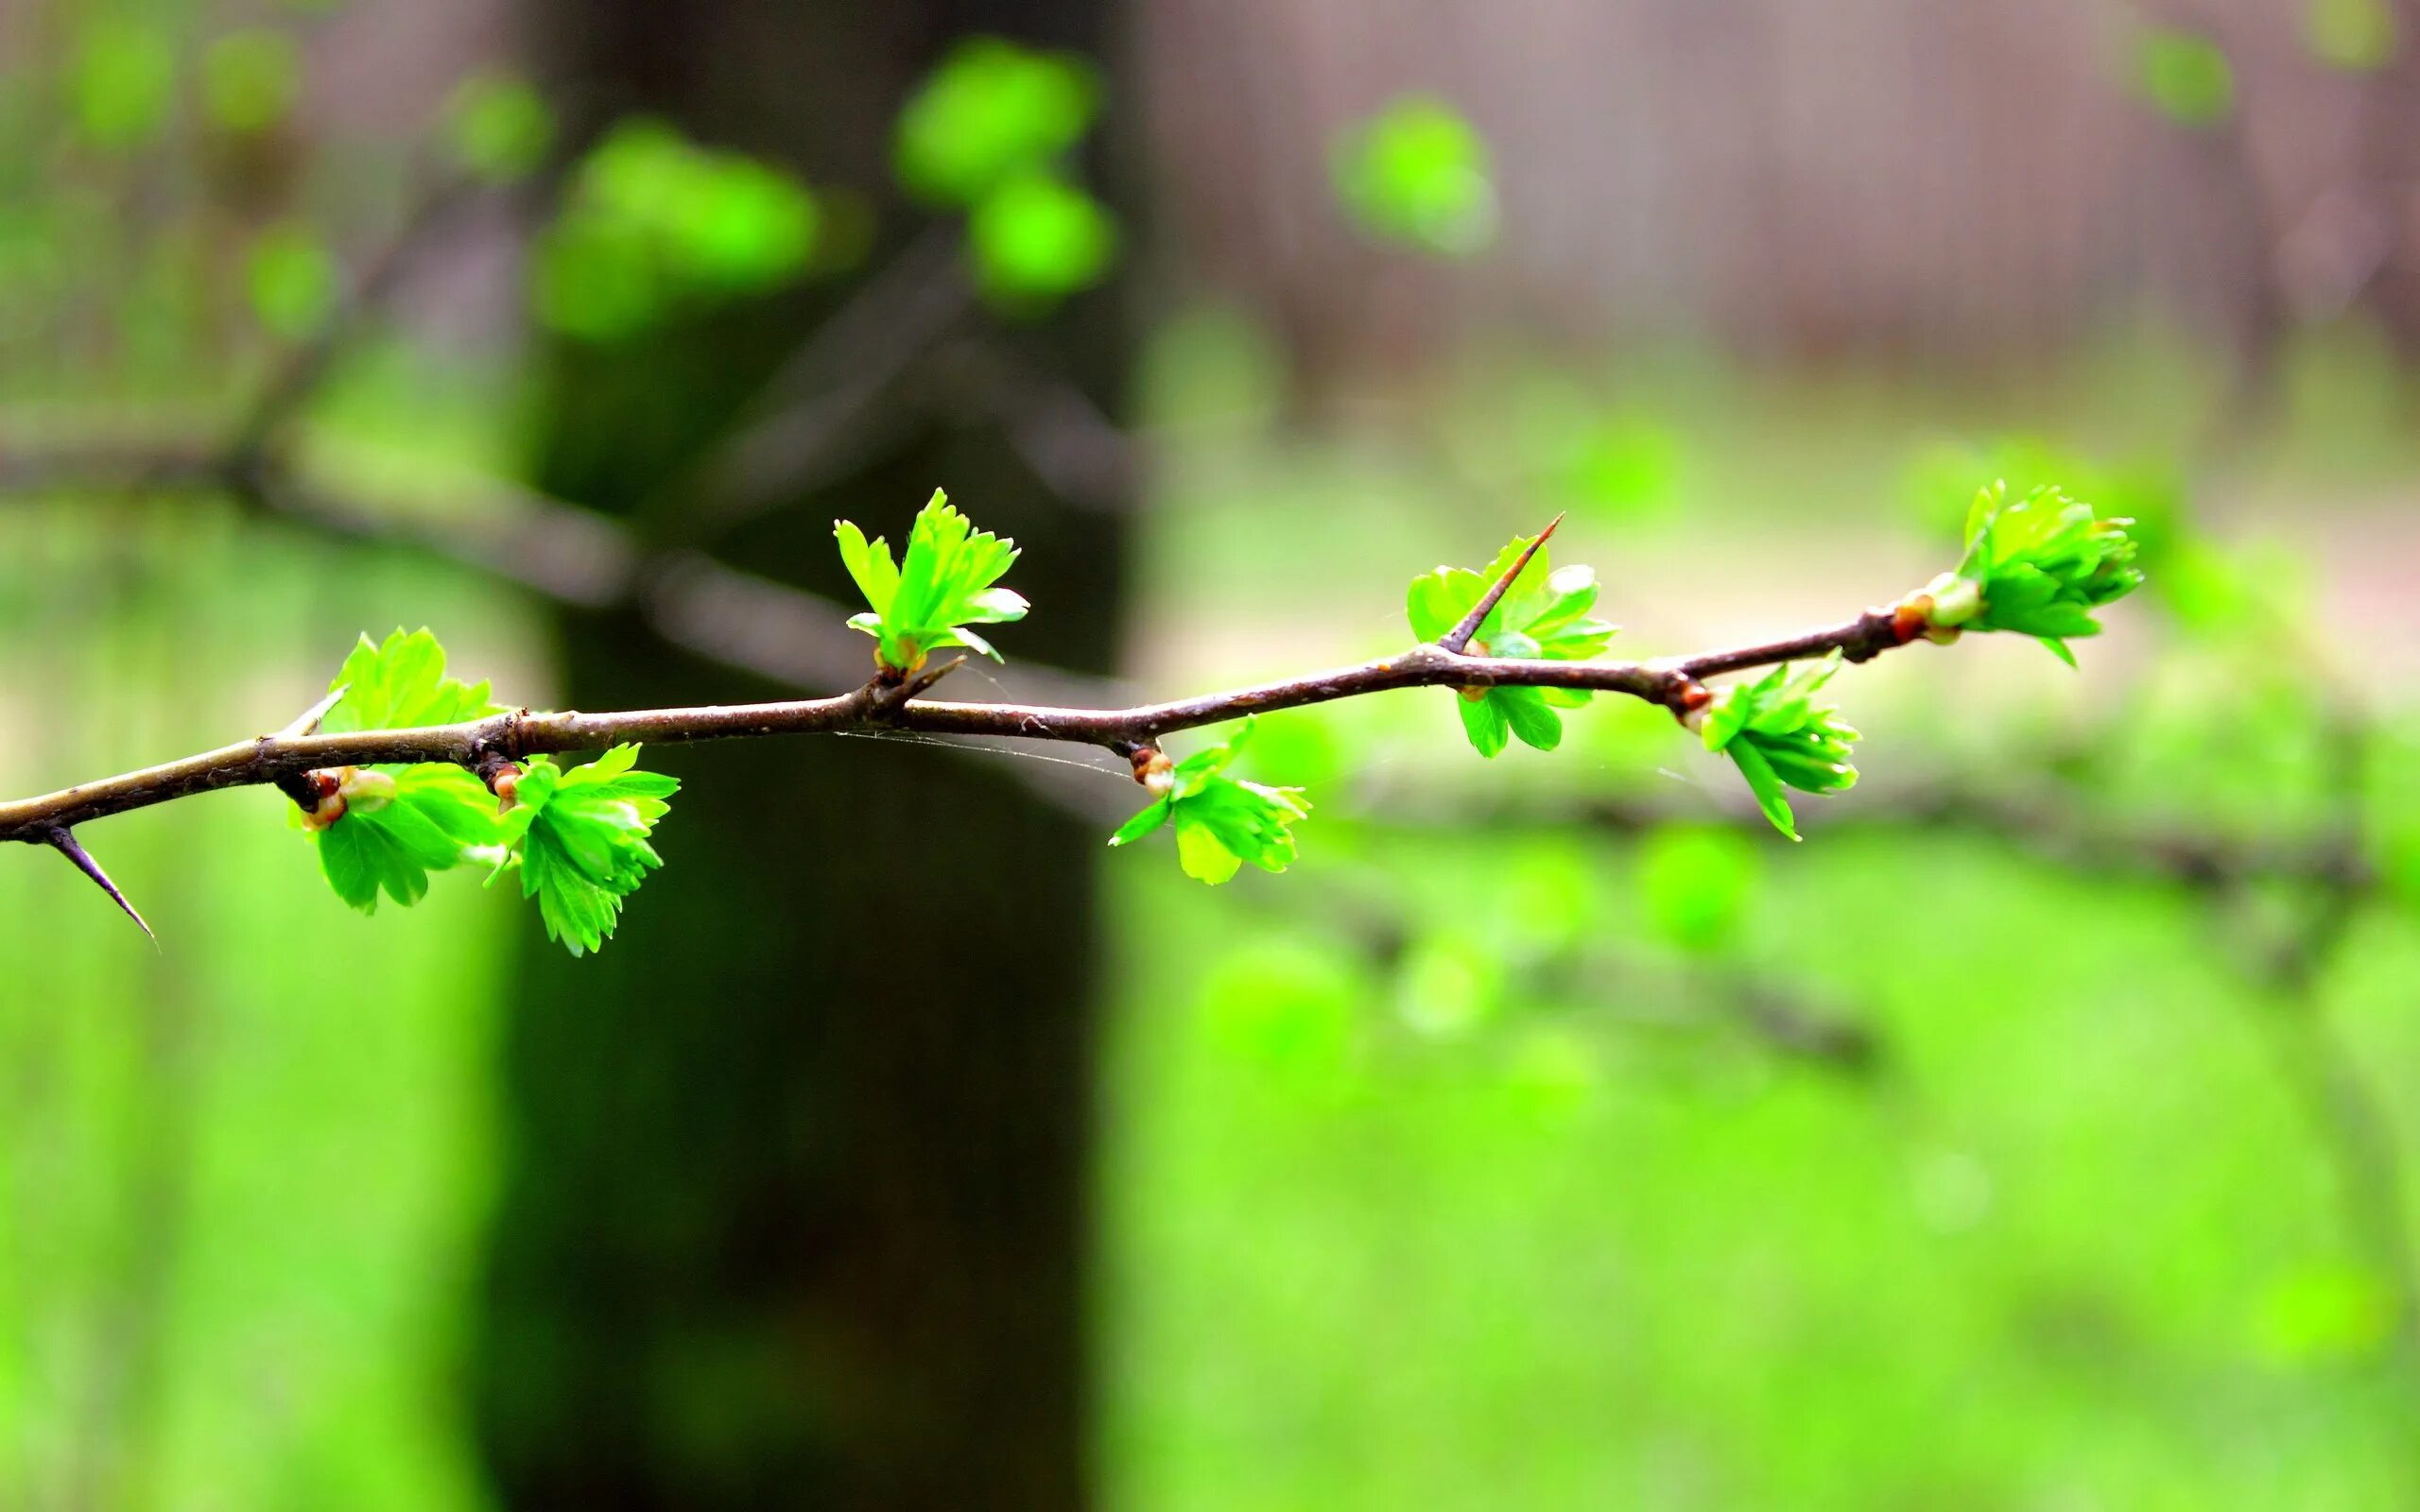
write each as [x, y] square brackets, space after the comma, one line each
[270, 759]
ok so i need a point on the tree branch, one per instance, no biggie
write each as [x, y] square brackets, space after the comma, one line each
[273, 759]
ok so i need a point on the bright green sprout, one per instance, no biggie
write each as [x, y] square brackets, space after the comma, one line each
[1221, 821]
[1543, 615]
[401, 683]
[2038, 567]
[1780, 737]
[580, 838]
[944, 584]
[384, 828]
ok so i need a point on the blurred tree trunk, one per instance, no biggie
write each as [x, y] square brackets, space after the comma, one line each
[796, 1213]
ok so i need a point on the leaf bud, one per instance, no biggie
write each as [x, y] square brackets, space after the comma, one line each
[365, 790]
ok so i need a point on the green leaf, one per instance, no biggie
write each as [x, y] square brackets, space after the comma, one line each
[1221, 822]
[435, 818]
[401, 683]
[1526, 710]
[1147, 823]
[1485, 721]
[1749, 758]
[947, 582]
[990, 111]
[1544, 615]
[580, 839]
[1417, 174]
[1779, 736]
[401, 823]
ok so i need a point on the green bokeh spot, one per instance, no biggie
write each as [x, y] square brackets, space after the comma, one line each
[2186, 77]
[292, 279]
[2355, 35]
[1038, 238]
[990, 113]
[249, 79]
[1417, 173]
[125, 81]
[1695, 882]
[499, 129]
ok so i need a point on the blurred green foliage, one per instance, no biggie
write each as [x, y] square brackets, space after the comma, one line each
[989, 133]
[654, 224]
[248, 1169]
[249, 79]
[1418, 174]
[2185, 75]
[292, 278]
[990, 113]
[123, 84]
[1038, 238]
[2358, 35]
[1698, 883]
[498, 128]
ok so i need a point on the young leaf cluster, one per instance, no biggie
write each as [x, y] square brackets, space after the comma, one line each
[1780, 737]
[1221, 821]
[580, 836]
[946, 582]
[390, 826]
[2038, 567]
[577, 836]
[399, 824]
[1544, 615]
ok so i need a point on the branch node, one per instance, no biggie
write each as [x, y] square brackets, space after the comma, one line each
[1460, 636]
[501, 774]
[63, 840]
[886, 697]
[1147, 760]
[1689, 700]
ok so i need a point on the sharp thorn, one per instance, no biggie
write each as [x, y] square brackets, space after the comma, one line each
[307, 723]
[930, 677]
[1460, 636]
[65, 843]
